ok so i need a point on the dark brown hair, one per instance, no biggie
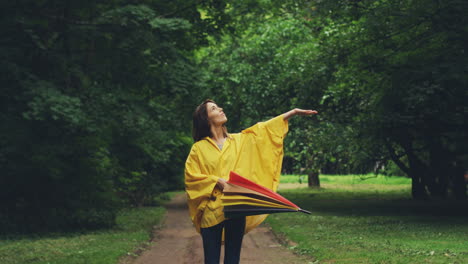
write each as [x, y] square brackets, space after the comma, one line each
[201, 125]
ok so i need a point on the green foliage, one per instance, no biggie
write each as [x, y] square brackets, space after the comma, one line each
[397, 85]
[391, 169]
[255, 77]
[95, 107]
[388, 79]
[272, 67]
[48, 103]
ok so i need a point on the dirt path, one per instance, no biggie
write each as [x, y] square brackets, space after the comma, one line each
[178, 242]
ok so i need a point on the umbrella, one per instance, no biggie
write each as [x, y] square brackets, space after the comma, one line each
[243, 197]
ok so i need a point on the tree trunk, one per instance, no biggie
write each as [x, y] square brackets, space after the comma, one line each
[438, 168]
[314, 181]
[418, 192]
[417, 174]
[459, 183]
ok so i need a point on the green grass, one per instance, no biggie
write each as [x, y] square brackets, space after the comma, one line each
[132, 231]
[351, 179]
[373, 222]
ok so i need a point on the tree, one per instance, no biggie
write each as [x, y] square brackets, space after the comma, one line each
[273, 66]
[388, 75]
[94, 106]
[399, 75]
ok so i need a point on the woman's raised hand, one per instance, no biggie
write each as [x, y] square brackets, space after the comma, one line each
[298, 111]
[305, 112]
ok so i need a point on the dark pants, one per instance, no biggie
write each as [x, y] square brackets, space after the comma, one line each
[233, 234]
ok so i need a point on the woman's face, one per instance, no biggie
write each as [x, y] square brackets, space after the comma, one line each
[216, 115]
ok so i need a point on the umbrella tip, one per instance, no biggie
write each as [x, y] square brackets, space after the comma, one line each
[304, 211]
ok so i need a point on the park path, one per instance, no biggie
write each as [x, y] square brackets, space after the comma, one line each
[177, 242]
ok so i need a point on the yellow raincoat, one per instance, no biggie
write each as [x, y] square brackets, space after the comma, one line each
[256, 153]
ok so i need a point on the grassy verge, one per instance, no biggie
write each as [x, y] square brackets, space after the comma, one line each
[376, 222]
[356, 179]
[133, 229]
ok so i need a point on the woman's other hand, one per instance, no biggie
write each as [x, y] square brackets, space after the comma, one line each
[221, 183]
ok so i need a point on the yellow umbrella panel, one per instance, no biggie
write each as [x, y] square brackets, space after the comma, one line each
[229, 200]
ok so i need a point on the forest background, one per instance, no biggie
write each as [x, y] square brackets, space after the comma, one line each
[97, 96]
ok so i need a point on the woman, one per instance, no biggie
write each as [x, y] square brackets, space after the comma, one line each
[256, 153]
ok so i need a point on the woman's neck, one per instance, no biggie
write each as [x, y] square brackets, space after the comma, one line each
[217, 134]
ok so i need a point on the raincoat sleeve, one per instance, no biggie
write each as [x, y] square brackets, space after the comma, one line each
[198, 185]
[263, 147]
[273, 130]
[261, 157]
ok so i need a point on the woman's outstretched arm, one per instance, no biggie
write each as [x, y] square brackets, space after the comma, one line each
[297, 111]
